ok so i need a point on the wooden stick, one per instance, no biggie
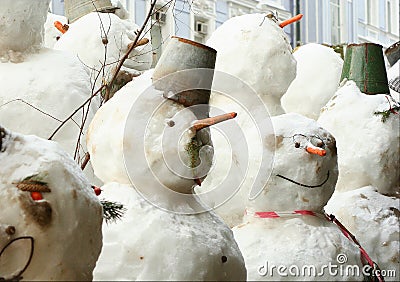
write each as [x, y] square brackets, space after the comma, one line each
[141, 42]
[203, 123]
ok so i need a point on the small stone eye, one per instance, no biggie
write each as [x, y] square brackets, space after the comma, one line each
[297, 144]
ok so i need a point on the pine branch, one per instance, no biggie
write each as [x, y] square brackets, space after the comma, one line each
[112, 211]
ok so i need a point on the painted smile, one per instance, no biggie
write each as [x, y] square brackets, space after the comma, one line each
[304, 185]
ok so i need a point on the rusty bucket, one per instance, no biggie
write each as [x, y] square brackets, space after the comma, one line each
[183, 54]
[393, 53]
[75, 9]
[364, 64]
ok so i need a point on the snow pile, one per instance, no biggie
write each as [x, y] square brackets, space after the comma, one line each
[318, 73]
[300, 181]
[368, 148]
[255, 49]
[21, 27]
[86, 38]
[183, 247]
[51, 33]
[65, 224]
[374, 219]
[43, 90]
[121, 12]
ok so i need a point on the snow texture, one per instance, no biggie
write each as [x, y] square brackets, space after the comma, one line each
[85, 39]
[368, 148]
[65, 224]
[392, 73]
[152, 244]
[44, 88]
[318, 73]
[21, 27]
[295, 240]
[255, 49]
[374, 219]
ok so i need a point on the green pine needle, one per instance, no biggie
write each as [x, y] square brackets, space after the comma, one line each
[112, 211]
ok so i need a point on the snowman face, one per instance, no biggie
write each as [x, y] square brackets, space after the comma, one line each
[305, 166]
[45, 199]
[22, 24]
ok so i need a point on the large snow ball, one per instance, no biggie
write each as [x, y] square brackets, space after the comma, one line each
[256, 50]
[318, 75]
[45, 198]
[87, 37]
[305, 166]
[367, 142]
[22, 24]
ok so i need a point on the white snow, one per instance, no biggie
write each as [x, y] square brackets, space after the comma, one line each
[318, 73]
[374, 219]
[295, 241]
[43, 86]
[255, 49]
[152, 244]
[65, 224]
[85, 39]
[368, 148]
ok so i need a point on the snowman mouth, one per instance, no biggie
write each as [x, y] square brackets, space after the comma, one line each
[305, 185]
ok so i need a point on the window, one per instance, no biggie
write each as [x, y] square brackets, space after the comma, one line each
[335, 21]
[389, 16]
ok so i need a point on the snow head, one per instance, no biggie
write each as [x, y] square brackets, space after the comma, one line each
[318, 74]
[167, 137]
[45, 199]
[305, 166]
[368, 143]
[89, 35]
[256, 50]
[21, 25]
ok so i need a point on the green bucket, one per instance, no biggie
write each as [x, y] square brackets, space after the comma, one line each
[364, 64]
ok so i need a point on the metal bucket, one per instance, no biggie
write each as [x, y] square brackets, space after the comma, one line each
[179, 55]
[364, 64]
[75, 9]
[393, 53]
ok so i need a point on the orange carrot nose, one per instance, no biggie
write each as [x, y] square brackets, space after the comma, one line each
[203, 123]
[291, 20]
[61, 27]
[316, 151]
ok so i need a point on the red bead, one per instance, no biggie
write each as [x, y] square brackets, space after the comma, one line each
[97, 190]
[36, 196]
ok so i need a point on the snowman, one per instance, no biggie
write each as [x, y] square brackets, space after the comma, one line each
[304, 95]
[161, 206]
[284, 234]
[41, 87]
[255, 52]
[366, 199]
[100, 40]
[50, 224]
[51, 33]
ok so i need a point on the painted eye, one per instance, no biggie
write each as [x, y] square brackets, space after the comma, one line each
[300, 141]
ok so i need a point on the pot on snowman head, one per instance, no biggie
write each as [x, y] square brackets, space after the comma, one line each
[364, 64]
[75, 9]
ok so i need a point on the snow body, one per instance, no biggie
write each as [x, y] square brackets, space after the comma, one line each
[368, 148]
[40, 87]
[374, 219]
[151, 244]
[368, 151]
[318, 76]
[255, 51]
[85, 39]
[65, 224]
[295, 240]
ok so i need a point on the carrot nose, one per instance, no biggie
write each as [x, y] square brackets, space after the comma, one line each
[203, 123]
[61, 27]
[291, 20]
[316, 151]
